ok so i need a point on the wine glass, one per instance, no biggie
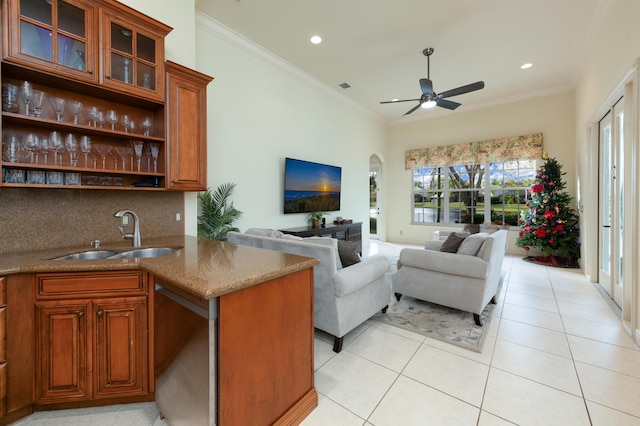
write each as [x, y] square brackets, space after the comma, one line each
[31, 142]
[71, 144]
[123, 152]
[27, 92]
[145, 124]
[100, 119]
[103, 151]
[37, 98]
[58, 106]
[85, 146]
[44, 149]
[92, 114]
[137, 147]
[112, 118]
[56, 144]
[75, 108]
[155, 149]
[125, 120]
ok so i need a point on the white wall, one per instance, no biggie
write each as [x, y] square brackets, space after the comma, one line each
[259, 113]
[615, 46]
[552, 115]
[180, 47]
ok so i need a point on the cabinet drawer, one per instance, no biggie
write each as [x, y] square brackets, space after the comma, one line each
[90, 283]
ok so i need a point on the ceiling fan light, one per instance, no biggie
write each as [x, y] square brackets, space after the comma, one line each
[428, 104]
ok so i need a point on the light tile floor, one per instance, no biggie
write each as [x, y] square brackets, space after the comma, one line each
[555, 354]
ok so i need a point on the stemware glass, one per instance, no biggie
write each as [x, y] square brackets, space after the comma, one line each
[123, 152]
[137, 147]
[85, 147]
[145, 124]
[44, 149]
[155, 149]
[38, 97]
[92, 113]
[27, 92]
[56, 143]
[125, 120]
[71, 144]
[100, 119]
[75, 108]
[31, 142]
[58, 106]
[103, 151]
[112, 118]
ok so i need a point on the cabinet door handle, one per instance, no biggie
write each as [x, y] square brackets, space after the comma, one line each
[90, 71]
[80, 314]
[107, 76]
[99, 313]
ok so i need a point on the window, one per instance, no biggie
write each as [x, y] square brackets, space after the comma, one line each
[461, 193]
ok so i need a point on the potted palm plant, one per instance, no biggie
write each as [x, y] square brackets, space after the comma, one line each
[217, 215]
[315, 219]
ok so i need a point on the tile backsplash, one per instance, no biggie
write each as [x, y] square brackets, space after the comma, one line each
[33, 219]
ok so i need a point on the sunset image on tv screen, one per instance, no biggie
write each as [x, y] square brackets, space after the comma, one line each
[311, 187]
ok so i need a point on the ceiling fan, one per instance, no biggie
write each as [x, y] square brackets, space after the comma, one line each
[429, 98]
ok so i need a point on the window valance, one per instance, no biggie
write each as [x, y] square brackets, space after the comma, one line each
[526, 147]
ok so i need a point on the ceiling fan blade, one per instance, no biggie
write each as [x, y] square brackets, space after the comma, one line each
[412, 109]
[400, 100]
[427, 86]
[447, 104]
[462, 89]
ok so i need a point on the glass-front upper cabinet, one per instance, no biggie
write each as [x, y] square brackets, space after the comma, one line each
[133, 56]
[53, 35]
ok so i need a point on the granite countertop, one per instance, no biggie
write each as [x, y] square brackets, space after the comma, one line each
[204, 268]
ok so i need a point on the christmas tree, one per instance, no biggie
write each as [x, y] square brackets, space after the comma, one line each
[550, 223]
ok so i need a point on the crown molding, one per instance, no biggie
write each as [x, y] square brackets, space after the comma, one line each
[218, 29]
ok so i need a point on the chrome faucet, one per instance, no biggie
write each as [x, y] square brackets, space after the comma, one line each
[136, 227]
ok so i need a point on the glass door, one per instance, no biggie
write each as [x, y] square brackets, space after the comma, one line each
[132, 56]
[56, 34]
[611, 202]
[374, 210]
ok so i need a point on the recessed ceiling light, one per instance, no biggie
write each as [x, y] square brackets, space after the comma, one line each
[316, 39]
[526, 66]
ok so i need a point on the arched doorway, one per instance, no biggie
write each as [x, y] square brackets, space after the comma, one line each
[375, 166]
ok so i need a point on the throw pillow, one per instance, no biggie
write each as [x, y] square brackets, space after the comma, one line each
[348, 254]
[471, 245]
[452, 242]
[331, 242]
[472, 228]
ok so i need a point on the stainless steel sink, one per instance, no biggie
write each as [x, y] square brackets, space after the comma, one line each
[89, 255]
[142, 253]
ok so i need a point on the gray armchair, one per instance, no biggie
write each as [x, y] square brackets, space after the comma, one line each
[455, 280]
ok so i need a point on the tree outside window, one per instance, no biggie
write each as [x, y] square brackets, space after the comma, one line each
[468, 194]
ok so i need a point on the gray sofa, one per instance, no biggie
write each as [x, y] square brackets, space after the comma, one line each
[343, 297]
[465, 282]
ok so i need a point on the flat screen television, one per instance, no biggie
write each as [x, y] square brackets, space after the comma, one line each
[311, 187]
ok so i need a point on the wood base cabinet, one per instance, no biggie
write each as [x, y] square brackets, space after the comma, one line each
[17, 341]
[92, 348]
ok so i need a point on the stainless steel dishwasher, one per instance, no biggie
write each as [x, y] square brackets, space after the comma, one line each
[185, 352]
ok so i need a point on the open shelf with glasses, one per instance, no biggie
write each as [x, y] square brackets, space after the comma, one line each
[99, 144]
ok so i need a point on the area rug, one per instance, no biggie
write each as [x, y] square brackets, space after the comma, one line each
[438, 322]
